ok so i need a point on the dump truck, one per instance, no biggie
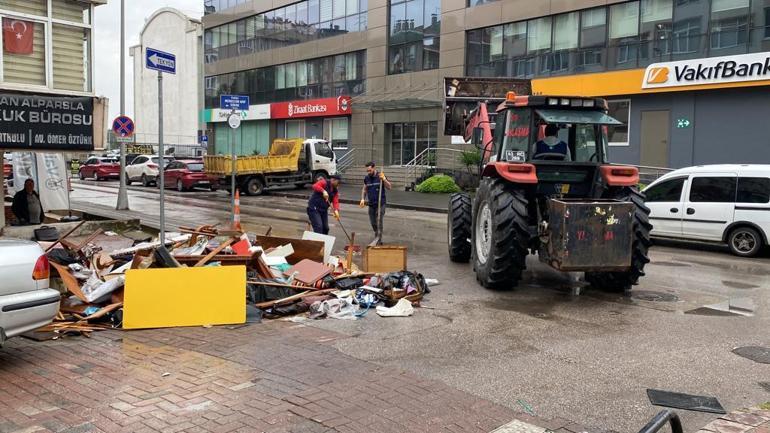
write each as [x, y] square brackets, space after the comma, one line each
[553, 194]
[293, 161]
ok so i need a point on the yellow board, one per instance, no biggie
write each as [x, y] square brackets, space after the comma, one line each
[617, 83]
[165, 298]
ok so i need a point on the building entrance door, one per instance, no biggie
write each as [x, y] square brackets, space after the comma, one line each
[654, 142]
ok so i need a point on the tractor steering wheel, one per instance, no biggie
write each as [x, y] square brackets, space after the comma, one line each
[551, 156]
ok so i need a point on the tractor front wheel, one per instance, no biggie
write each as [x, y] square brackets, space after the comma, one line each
[500, 234]
[622, 281]
[459, 227]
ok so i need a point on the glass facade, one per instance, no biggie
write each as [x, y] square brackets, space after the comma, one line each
[621, 36]
[343, 74]
[408, 140]
[293, 24]
[414, 28]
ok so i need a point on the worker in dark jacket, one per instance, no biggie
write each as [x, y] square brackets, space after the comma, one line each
[371, 195]
[325, 194]
[26, 205]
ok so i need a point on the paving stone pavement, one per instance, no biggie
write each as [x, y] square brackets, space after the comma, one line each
[752, 420]
[271, 377]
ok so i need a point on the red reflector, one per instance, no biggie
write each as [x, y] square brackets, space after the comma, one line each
[520, 168]
[152, 166]
[42, 269]
[624, 172]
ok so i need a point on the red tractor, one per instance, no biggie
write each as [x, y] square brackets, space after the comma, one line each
[546, 187]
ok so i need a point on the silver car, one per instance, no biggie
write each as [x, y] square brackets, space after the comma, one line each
[26, 300]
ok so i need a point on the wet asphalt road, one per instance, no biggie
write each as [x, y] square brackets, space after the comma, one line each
[587, 358]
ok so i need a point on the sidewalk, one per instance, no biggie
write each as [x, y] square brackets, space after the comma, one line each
[270, 377]
[752, 420]
[397, 199]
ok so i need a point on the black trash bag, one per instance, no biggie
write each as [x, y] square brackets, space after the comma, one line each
[349, 283]
[257, 293]
[164, 259]
[62, 257]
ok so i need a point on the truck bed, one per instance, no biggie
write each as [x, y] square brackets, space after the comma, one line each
[283, 157]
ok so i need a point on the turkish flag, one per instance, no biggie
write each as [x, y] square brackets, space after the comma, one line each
[18, 36]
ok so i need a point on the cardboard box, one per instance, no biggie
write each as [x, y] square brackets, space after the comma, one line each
[386, 258]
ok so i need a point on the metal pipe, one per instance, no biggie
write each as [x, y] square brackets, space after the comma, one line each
[161, 161]
[661, 419]
[122, 203]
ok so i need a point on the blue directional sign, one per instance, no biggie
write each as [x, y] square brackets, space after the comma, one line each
[123, 126]
[234, 102]
[160, 61]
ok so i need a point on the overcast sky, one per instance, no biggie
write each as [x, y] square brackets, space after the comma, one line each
[107, 44]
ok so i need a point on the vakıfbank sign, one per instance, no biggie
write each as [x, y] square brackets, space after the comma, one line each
[714, 70]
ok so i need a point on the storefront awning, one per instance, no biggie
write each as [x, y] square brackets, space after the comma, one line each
[425, 99]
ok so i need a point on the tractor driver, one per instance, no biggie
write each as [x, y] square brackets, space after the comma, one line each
[551, 146]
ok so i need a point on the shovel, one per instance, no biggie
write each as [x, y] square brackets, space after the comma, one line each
[351, 246]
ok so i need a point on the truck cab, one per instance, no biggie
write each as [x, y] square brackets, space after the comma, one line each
[317, 157]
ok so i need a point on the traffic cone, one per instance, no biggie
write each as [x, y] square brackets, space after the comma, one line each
[237, 211]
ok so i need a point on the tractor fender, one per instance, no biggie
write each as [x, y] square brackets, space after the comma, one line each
[515, 172]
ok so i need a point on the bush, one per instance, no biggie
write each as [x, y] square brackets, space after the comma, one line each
[439, 183]
[471, 159]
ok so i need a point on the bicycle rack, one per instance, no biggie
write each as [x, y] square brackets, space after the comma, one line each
[660, 420]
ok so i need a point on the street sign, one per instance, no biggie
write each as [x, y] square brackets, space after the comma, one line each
[234, 121]
[123, 126]
[160, 61]
[682, 123]
[234, 102]
[120, 139]
[204, 140]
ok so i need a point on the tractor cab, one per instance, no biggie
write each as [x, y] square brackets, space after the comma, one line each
[563, 140]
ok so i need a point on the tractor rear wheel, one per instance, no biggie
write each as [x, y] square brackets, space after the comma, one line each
[622, 281]
[500, 234]
[459, 227]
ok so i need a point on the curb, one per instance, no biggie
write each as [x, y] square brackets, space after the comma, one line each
[288, 194]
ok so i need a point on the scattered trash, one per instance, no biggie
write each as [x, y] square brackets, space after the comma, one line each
[677, 400]
[165, 374]
[403, 308]
[758, 354]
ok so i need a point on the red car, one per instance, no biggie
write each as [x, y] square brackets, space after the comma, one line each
[98, 168]
[7, 169]
[186, 174]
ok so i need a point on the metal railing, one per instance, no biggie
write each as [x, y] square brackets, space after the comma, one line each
[428, 159]
[346, 161]
[661, 419]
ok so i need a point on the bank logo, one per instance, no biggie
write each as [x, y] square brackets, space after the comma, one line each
[657, 75]
[291, 109]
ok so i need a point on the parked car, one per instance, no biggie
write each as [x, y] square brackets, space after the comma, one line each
[26, 300]
[144, 168]
[186, 174]
[98, 168]
[7, 169]
[715, 203]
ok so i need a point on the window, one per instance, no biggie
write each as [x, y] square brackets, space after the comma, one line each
[624, 20]
[194, 166]
[539, 35]
[565, 32]
[322, 149]
[729, 23]
[593, 27]
[515, 133]
[336, 131]
[753, 190]
[618, 134]
[713, 190]
[408, 140]
[413, 35]
[668, 191]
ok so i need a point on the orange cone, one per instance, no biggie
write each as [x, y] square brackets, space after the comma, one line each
[237, 211]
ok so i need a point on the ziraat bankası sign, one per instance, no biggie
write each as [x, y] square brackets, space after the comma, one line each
[709, 71]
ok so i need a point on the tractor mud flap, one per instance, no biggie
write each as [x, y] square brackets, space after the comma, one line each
[588, 235]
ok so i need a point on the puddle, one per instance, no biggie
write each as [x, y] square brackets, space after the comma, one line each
[652, 296]
[742, 269]
[739, 285]
[732, 307]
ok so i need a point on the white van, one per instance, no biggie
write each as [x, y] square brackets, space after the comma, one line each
[715, 203]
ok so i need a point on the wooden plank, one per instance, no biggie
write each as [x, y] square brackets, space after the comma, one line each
[72, 284]
[216, 251]
[311, 250]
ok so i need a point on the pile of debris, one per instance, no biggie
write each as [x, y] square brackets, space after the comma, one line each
[285, 276]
